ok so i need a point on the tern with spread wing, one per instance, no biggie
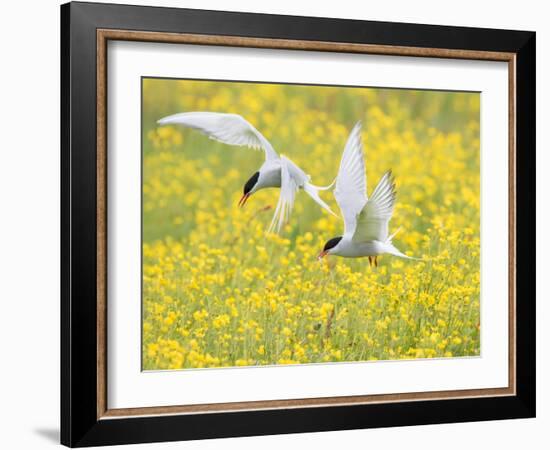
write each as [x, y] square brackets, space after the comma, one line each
[366, 220]
[276, 171]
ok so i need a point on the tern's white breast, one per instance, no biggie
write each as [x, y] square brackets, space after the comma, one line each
[270, 175]
[349, 249]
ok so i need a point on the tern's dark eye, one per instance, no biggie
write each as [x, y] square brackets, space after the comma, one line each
[332, 243]
[251, 183]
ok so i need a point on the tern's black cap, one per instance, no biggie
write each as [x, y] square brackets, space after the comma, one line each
[332, 243]
[250, 183]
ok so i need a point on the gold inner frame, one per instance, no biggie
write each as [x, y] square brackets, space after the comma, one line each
[103, 36]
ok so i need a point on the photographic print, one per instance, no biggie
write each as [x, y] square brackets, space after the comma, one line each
[298, 224]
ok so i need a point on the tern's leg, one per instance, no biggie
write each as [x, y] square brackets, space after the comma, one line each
[376, 261]
[370, 261]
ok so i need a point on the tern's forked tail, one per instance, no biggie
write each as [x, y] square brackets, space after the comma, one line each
[393, 250]
[324, 188]
[313, 192]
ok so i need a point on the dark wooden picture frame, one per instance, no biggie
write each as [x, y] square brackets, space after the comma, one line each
[85, 417]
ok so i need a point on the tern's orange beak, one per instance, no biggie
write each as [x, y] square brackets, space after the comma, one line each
[322, 254]
[243, 199]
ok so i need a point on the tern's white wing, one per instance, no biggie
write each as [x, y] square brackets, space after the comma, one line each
[292, 178]
[351, 191]
[230, 129]
[372, 223]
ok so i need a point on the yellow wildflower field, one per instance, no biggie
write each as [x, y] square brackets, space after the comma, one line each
[218, 291]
